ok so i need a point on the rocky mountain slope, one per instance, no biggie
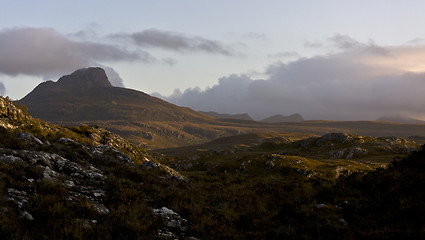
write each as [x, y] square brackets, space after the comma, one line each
[61, 182]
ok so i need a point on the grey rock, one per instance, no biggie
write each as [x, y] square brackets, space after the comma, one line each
[338, 137]
[356, 152]
[29, 139]
[150, 165]
[320, 205]
[100, 208]
[49, 173]
[342, 222]
[26, 215]
[172, 219]
[67, 141]
[337, 154]
[10, 159]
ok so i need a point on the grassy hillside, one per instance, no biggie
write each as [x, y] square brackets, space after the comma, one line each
[278, 187]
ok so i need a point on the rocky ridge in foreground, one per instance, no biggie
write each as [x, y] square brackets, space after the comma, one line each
[74, 176]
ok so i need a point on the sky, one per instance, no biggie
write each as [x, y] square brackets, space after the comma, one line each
[324, 59]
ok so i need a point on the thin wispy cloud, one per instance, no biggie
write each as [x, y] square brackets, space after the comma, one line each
[174, 41]
[344, 42]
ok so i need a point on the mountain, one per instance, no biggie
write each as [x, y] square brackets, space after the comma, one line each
[242, 116]
[399, 119]
[280, 118]
[88, 95]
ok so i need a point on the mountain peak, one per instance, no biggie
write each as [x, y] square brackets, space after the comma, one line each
[85, 78]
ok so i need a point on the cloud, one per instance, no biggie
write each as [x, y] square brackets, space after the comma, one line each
[175, 41]
[2, 89]
[363, 81]
[169, 61]
[284, 55]
[315, 44]
[113, 76]
[344, 41]
[45, 52]
[256, 36]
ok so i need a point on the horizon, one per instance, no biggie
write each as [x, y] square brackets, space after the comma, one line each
[323, 60]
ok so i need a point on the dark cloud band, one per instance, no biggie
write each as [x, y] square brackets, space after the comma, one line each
[44, 52]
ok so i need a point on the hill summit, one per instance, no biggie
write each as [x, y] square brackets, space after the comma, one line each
[85, 78]
[87, 94]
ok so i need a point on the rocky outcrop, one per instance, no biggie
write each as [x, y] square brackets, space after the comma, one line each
[348, 146]
[340, 138]
[80, 170]
[82, 179]
[175, 226]
[11, 116]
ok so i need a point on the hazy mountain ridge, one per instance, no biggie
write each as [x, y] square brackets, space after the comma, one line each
[400, 119]
[154, 123]
[242, 116]
[296, 117]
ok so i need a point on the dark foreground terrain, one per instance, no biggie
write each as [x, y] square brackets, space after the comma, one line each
[87, 183]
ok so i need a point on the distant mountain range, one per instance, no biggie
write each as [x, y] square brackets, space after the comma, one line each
[296, 117]
[400, 119]
[242, 116]
[87, 97]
